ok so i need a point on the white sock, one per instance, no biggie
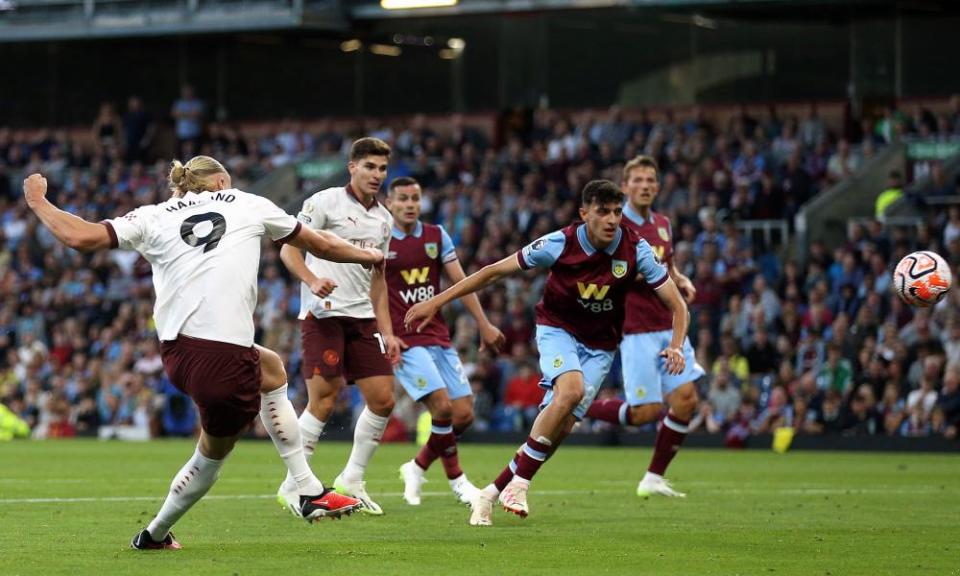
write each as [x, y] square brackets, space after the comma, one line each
[490, 491]
[280, 420]
[651, 476]
[366, 438]
[188, 486]
[310, 430]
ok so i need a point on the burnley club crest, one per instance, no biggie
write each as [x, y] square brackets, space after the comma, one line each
[619, 268]
[431, 248]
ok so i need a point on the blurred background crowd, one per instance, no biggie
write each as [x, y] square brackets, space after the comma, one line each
[820, 345]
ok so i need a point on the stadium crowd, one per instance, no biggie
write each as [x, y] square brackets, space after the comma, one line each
[822, 347]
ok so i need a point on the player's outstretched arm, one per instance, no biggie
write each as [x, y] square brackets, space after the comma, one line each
[71, 230]
[421, 313]
[490, 336]
[328, 246]
[669, 294]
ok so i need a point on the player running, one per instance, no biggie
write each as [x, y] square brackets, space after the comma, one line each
[345, 318]
[646, 380]
[203, 245]
[430, 370]
[579, 321]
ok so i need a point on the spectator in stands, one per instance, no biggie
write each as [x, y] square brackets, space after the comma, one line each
[892, 193]
[721, 406]
[494, 201]
[949, 402]
[107, 127]
[859, 418]
[524, 394]
[812, 129]
[842, 164]
[188, 112]
[138, 131]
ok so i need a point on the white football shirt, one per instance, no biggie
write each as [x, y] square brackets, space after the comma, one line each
[337, 210]
[205, 252]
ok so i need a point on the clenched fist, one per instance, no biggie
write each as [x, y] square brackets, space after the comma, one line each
[34, 189]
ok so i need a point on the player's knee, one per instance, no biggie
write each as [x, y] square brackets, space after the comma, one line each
[381, 405]
[216, 448]
[684, 404]
[441, 410]
[272, 373]
[569, 395]
[462, 421]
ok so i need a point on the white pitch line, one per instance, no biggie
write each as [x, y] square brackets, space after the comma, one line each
[87, 499]
[740, 491]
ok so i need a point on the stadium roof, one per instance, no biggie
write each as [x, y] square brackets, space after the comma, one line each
[22, 20]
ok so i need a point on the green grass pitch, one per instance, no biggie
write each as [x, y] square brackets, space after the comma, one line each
[750, 513]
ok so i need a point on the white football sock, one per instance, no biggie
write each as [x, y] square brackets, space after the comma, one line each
[366, 438]
[188, 486]
[310, 430]
[280, 420]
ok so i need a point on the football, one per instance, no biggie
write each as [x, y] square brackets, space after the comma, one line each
[922, 278]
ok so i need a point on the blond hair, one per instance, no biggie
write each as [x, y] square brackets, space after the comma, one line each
[194, 176]
[641, 161]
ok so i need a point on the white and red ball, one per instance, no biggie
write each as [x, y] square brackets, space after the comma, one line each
[922, 278]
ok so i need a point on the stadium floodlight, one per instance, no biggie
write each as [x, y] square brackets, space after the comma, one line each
[351, 45]
[385, 50]
[413, 4]
[457, 44]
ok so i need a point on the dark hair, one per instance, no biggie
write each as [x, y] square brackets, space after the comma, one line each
[640, 162]
[368, 147]
[601, 192]
[401, 181]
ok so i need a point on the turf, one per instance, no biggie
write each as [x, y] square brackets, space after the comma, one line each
[747, 513]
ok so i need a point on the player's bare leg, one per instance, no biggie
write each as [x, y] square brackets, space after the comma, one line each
[308, 499]
[378, 393]
[188, 486]
[462, 414]
[549, 429]
[672, 433]
[322, 396]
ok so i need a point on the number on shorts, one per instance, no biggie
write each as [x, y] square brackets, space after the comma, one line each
[383, 349]
[210, 241]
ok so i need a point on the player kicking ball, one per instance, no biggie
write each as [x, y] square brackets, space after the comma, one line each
[429, 369]
[579, 323]
[203, 245]
[646, 380]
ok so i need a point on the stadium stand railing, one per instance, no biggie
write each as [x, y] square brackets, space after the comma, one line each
[825, 216]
